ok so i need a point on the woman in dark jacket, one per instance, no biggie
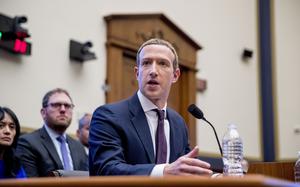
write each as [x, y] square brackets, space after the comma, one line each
[9, 134]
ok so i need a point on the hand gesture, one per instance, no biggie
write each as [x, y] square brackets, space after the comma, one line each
[188, 165]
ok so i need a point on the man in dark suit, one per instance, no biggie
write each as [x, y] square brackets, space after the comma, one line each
[140, 135]
[49, 148]
[83, 130]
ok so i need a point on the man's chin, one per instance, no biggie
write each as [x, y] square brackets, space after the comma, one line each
[63, 121]
[62, 125]
[152, 93]
[153, 97]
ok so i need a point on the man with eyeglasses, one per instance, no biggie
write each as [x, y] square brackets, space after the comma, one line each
[49, 148]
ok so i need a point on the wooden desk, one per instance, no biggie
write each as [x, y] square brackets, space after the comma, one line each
[282, 170]
[137, 181]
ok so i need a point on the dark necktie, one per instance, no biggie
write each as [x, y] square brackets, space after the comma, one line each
[161, 143]
[64, 152]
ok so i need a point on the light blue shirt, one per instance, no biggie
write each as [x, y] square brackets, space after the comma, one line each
[53, 135]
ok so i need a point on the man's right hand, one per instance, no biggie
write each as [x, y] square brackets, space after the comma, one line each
[188, 165]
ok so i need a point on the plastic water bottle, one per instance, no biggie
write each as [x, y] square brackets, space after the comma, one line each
[232, 146]
[297, 169]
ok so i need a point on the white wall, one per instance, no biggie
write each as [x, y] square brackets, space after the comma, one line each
[232, 94]
[287, 77]
[52, 24]
[224, 28]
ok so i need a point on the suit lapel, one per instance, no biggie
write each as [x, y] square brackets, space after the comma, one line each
[48, 144]
[140, 123]
[173, 137]
[75, 157]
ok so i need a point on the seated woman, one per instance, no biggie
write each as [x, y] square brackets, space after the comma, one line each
[9, 134]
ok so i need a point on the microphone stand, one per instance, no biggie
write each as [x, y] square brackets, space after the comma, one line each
[215, 135]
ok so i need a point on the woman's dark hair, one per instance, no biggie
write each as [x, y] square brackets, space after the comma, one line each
[15, 120]
[11, 163]
[1, 113]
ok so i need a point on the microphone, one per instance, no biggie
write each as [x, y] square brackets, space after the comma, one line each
[197, 113]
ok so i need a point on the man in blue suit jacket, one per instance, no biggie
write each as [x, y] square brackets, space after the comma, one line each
[123, 135]
[40, 152]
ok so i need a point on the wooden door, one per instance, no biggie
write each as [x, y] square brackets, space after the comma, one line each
[129, 82]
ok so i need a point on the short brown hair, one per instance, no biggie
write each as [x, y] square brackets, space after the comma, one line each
[158, 41]
[54, 91]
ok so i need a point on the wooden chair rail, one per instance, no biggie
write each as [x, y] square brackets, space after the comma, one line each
[137, 181]
[282, 170]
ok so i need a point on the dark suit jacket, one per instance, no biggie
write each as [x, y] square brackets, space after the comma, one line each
[120, 139]
[39, 157]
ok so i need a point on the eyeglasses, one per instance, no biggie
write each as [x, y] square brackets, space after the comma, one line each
[67, 106]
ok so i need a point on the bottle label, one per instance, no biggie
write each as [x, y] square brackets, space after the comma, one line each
[232, 157]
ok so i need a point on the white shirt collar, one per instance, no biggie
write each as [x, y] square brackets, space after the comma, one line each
[147, 105]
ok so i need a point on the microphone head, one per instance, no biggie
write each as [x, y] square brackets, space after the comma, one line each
[195, 111]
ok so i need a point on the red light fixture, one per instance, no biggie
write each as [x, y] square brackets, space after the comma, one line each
[12, 35]
[20, 46]
[16, 46]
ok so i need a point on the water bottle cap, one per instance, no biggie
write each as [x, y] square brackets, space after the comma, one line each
[232, 132]
[231, 126]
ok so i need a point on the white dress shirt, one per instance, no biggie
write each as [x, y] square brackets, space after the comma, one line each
[152, 120]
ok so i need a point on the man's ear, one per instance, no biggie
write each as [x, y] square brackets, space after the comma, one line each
[78, 133]
[43, 112]
[136, 72]
[176, 75]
